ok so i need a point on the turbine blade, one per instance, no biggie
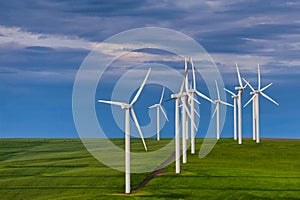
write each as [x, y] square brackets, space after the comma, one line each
[194, 75]
[250, 100]
[266, 87]
[239, 76]
[187, 82]
[269, 98]
[196, 112]
[191, 98]
[218, 92]
[164, 113]
[214, 112]
[112, 102]
[185, 74]
[225, 103]
[141, 88]
[196, 100]
[249, 85]
[229, 92]
[168, 100]
[204, 97]
[138, 127]
[258, 78]
[162, 95]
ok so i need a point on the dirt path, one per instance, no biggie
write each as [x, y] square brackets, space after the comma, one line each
[155, 173]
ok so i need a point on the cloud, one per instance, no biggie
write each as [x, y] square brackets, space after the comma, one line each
[24, 38]
[39, 58]
[232, 31]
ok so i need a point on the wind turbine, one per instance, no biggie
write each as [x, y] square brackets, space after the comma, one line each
[255, 99]
[158, 109]
[191, 92]
[185, 114]
[235, 97]
[129, 108]
[191, 102]
[217, 110]
[182, 97]
[240, 89]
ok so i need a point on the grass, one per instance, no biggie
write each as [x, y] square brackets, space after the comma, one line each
[63, 169]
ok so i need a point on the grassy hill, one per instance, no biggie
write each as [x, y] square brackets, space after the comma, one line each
[63, 169]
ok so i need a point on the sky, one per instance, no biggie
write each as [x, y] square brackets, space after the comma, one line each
[43, 44]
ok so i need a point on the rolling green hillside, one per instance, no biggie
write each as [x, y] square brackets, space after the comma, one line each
[63, 169]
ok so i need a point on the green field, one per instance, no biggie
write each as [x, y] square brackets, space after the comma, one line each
[63, 169]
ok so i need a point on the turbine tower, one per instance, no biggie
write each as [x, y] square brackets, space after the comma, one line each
[191, 92]
[240, 89]
[217, 110]
[158, 109]
[235, 97]
[180, 96]
[129, 108]
[185, 114]
[255, 104]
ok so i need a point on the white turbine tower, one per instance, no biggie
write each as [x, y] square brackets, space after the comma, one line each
[235, 97]
[217, 110]
[255, 109]
[158, 109]
[191, 92]
[185, 114]
[129, 107]
[182, 96]
[240, 89]
[177, 134]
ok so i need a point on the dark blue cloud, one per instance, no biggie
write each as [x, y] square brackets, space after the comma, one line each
[89, 19]
[235, 40]
[97, 20]
[41, 58]
[263, 8]
[40, 49]
[153, 51]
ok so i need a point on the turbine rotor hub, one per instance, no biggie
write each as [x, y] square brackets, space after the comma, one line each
[126, 106]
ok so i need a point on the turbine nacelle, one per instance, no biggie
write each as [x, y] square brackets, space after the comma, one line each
[239, 88]
[217, 101]
[191, 90]
[255, 92]
[178, 95]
